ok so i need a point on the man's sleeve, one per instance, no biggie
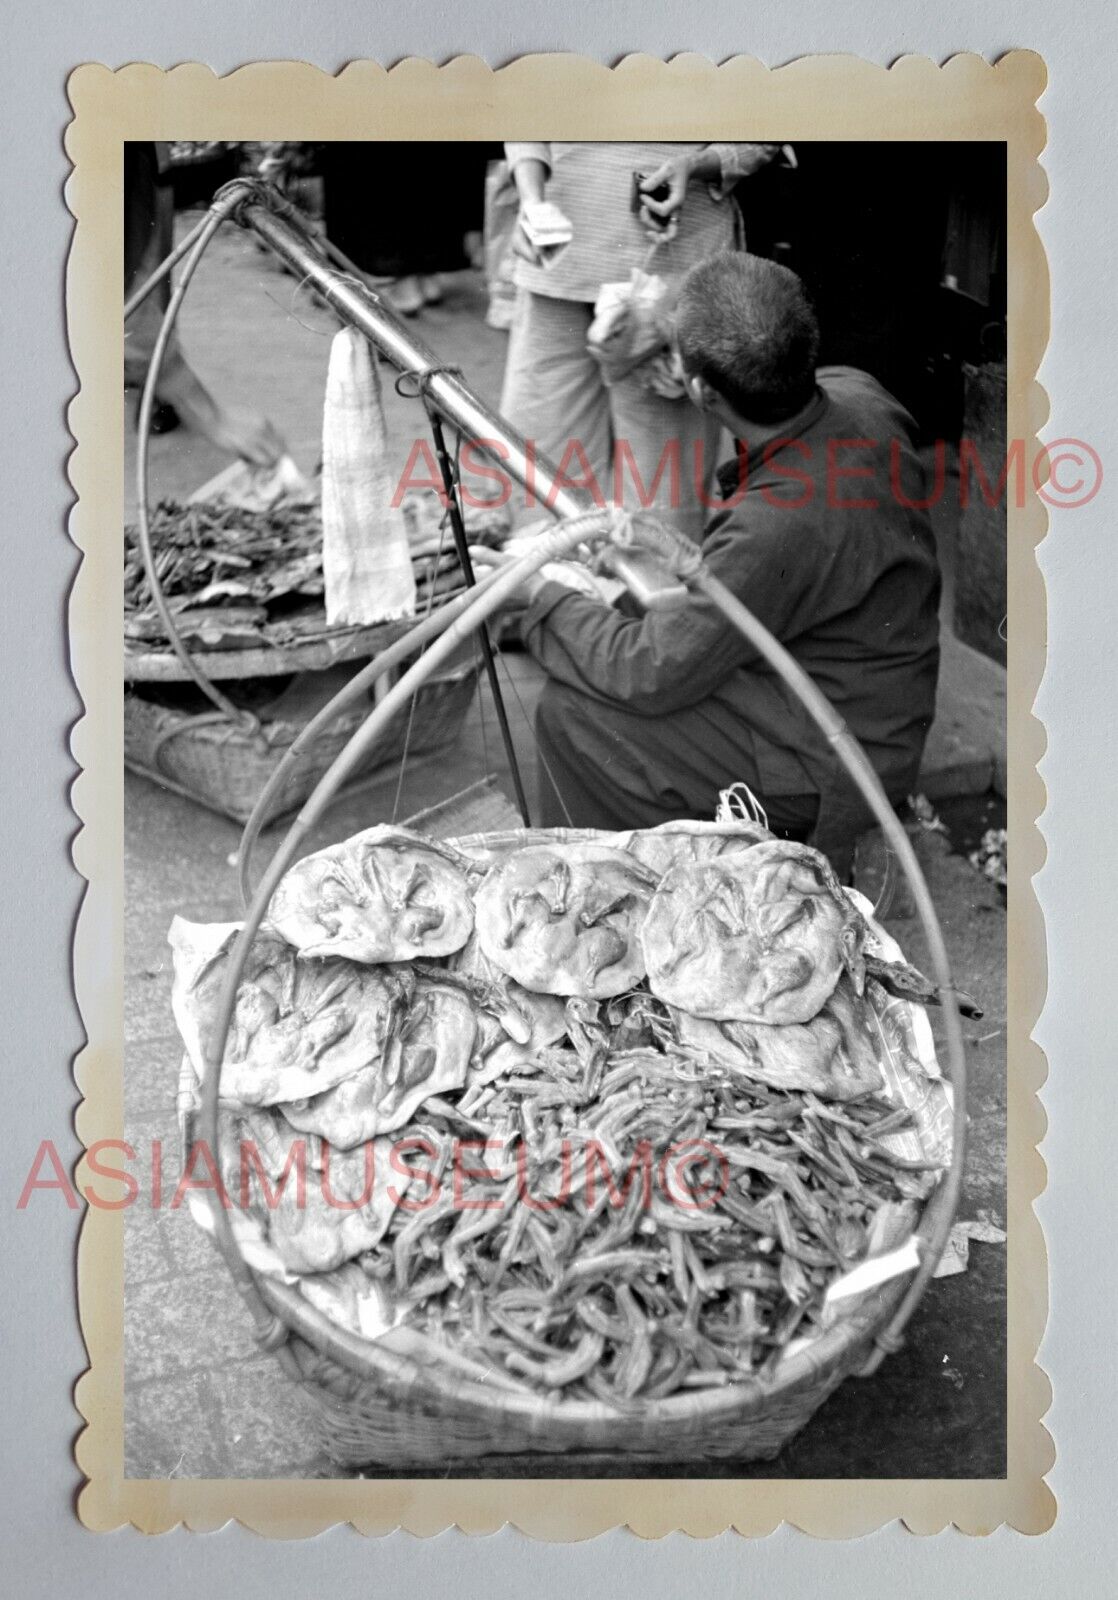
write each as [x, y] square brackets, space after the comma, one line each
[666, 661]
[737, 161]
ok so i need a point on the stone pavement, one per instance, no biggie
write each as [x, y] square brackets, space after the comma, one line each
[200, 1400]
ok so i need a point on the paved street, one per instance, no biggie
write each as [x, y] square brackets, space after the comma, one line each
[200, 1399]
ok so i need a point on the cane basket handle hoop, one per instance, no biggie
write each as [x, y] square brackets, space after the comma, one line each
[222, 208]
[267, 1299]
[227, 205]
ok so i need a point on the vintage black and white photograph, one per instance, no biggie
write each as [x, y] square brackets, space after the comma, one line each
[565, 634]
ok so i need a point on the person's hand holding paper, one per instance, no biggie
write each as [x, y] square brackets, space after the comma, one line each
[542, 231]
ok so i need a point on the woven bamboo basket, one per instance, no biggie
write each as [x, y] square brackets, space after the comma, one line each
[405, 1403]
[375, 1402]
[405, 1410]
[224, 765]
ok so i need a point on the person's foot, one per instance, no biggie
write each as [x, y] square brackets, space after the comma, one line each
[405, 296]
[473, 248]
[431, 288]
[502, 308]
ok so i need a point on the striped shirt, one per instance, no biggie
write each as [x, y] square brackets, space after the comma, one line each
[592, 184]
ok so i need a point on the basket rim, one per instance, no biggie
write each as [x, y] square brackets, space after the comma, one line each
[830, 1355]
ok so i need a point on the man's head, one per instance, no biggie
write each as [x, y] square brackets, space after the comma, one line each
[747, 337]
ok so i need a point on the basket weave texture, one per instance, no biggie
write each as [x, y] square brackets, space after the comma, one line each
[396, 1420]
[225, 766]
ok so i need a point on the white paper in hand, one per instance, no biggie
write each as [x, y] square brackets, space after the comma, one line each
[366, 562]
[542, 232]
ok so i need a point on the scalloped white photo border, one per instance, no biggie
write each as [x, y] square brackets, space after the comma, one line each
[540, 96]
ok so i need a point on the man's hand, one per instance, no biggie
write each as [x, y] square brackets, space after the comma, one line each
[486, 560]
[571, 573]
[660, 217]
[247, 434]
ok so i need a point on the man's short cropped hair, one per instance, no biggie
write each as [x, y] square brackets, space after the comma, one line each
[746, 325]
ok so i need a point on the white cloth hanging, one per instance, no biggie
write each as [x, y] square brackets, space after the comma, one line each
[366, 562]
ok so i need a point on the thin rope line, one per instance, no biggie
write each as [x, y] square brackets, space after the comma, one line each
[290, 311]
[479, 658]
[499, 657]
[541, 758]
[411, 702]
[482, 690]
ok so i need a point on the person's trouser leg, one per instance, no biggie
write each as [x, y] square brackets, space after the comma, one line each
[553, 394]
[149, 234]
[604, 767]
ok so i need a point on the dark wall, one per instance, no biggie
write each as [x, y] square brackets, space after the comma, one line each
[873, 229]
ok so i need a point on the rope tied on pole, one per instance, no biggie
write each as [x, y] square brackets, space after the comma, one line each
[421, 377]
[631, 531]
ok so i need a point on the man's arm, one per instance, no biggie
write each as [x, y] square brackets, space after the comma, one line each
[665, 661]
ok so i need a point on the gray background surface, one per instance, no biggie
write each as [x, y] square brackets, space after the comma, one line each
[45, 1550]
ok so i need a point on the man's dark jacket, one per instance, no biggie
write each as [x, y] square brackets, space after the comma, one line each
[822, 537]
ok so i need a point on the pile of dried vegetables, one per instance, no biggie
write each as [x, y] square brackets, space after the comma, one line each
[727, 1211]
[238, 579]
[519, 1154]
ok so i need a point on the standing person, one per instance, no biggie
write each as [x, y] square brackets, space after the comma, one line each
[645, 719]
[664, 207]
[149, 222]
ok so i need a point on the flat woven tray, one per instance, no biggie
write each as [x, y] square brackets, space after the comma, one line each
[330, 648]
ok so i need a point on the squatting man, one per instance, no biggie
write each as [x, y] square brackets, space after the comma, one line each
[645, 718]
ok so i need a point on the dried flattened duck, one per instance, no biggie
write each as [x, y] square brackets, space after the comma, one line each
[672, 843]
[298, 1028]
[514, 1023]
[565, 920]
[833, 1055]
[429, 1041]
[340, 1207]
[760, 935]
[386, 894]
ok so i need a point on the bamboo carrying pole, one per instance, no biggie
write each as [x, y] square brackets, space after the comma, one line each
[294, 241]
[317, 241]
[258, 207]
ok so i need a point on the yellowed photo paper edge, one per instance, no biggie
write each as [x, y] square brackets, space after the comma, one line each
[823, 97]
